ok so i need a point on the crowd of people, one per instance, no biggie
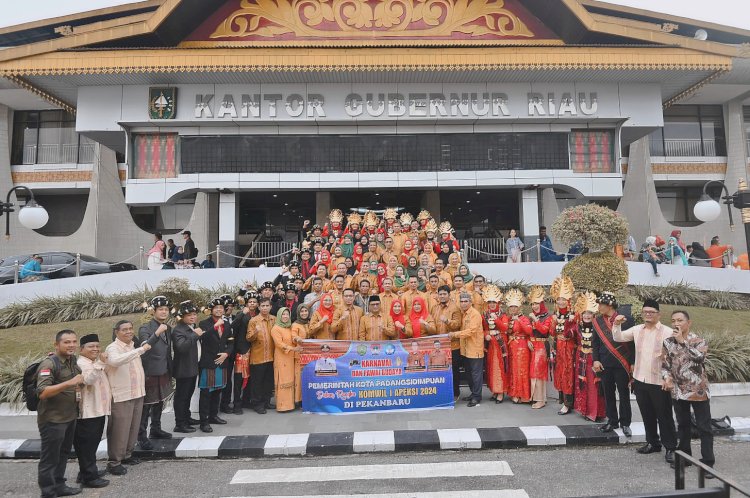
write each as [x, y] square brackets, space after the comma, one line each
[246, 353]
[169, 256]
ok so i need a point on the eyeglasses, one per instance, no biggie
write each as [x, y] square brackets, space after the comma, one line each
[650, 312]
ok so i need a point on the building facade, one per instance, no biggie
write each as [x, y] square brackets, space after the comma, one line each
[238, 120]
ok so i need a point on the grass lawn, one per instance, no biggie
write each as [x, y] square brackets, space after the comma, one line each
[18, 341]
[710, 319]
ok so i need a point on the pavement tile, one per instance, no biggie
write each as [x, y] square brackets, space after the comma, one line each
[194, 447]
[242, 446]
[416, 440]
[330, 443]
[502, 437]
[371, 441]
[459, 439]
[286, 444]
[31, 448]
[579, 435]
[543, 435]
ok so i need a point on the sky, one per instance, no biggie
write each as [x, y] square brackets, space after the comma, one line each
[727, 12]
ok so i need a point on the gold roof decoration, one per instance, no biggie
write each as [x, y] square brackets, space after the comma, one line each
[336, 216]
[390, 214]
[562, 287]
[492, 293]
[586, 302]
[406, 218]
[536, 295]
[371, 219]
[431, 226]
[445, 227]
[424, 215]
[514, 297]
[354, 219]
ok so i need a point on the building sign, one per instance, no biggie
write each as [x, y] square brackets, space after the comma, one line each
[355, 377]
[162, 103]
[373, 104]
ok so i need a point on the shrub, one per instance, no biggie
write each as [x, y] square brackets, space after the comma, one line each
[598, 228]
[636, 305]
[728, 357]
[521, 285]
[679, 293]
[601, 271]
[11, 377]
[724, 300]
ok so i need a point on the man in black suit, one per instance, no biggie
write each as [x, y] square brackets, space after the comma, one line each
[240, 392]
[157, 364]
[185, 337]
[226, 393]
[217, 344]
[188, 250]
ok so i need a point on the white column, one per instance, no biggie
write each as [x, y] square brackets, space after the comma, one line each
[529, 214]
[228, 228]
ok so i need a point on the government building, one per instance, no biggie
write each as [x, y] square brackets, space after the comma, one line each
[240, 119]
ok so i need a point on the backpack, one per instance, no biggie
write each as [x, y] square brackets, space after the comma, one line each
[30, 375]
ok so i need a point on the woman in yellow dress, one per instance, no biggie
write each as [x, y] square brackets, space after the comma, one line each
[283, 360]
[299, 333]
[321, 320]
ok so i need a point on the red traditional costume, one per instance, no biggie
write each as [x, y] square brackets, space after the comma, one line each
[498, 361]
[565, 325]
[589, 397]
[518, 328]
[541, 324]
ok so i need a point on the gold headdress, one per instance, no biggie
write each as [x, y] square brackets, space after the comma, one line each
[371, 219]
[406, 219]
[390, 214]
[445, 227]
[536, 295]
[431, 226]
[492, 293]
[586, 302]
[424, 215]
[354, 218]
[562, 287]
[336, 216]
[514, 297]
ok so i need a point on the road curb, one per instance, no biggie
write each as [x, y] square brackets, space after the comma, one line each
[344, 443]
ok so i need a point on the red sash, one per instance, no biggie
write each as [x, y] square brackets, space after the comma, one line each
[611, 347]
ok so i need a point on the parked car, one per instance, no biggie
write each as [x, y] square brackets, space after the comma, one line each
[59, 263]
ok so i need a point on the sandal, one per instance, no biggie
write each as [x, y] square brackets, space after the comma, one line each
[498, 400]
[565, 412]
[515, 400]
[538, 405]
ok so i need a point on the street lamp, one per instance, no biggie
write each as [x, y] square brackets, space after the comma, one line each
[708, 209]
[32, 215]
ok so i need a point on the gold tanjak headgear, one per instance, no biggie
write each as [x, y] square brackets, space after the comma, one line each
[424, 215]
[431, 226]
[586, 302]
[492, 293]
[514, 297]
[336, 216]
[371, 219]
[445, 227]
[354, 218]
[536, 295]
[390, 214]
[406, 218]
[562, 287]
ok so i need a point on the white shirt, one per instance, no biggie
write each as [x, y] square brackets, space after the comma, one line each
[648, 349]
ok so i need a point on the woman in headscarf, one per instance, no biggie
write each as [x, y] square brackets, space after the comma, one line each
[699, 256]
[408, 252]
[347, 245]
[454, 261]
[422, 273]
[336, 257]
[445, 252]
[465, 273]
[674, 253]
[419, 322]
[429, 250]
[325, 262]
[320, 323]
[382, 272]
[358, 256]
[412, 266]
[392, 265]
[399, 319]
[299, 333]
[541, 325]
[283, 360]
[400, 278]
[424, 261]
[677, 234]
[498, 360]
[351, 269]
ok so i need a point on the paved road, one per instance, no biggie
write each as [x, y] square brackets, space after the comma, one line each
[524, 473]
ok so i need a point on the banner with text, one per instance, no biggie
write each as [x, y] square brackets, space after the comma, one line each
[356, 377]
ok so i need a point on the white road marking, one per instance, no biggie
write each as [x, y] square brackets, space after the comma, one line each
[372, 472]
[481, 493]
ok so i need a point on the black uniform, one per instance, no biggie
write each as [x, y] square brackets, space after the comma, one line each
[157, 365]
[213, 345]
[614, 376]
[184, 370]
[240, 396]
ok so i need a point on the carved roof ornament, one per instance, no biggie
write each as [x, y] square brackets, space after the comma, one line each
[669, 27]
[378, 19]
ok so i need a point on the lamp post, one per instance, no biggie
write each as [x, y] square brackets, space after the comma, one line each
[708, 209]
[31, 215]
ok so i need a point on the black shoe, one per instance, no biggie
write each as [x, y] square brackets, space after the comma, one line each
[183, 428]
[608, 427]
[159, 434]
[238, 411]
[473, 403]
[132, 461]
[270, 406]
[96, 483]
[225, 409]
[499, 400]
[117, 470]
[626, 430]
[709, 475]
[99, 473]
[217, 420]
[669, 456]
[648, 448]
[145, 445]
[194, 421]
[466, 398]
[260, 410]
[68, 491]
[206, 428]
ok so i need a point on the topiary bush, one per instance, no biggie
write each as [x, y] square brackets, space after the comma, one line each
[598, 228]
[599, 271]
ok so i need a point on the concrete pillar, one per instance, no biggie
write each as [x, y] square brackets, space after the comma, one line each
[529, 219]
[431, 202]
[736, 167]
[228, 228]
[322, 207]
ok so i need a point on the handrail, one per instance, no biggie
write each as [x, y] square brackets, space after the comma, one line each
[681, 457]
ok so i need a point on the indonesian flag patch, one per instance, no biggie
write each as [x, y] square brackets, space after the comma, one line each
[45, 372]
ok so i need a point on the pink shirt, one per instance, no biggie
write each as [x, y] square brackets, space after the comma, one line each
[96, 398]
[648, 349]
[125, 371]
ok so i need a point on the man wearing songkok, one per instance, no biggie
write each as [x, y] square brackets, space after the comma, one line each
[217, 344]
[376, 325]
[185, 343]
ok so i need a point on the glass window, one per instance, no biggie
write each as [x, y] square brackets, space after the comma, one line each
[44, 137]
[25, 135]
[592, 151]
[155, 155]
[690, 130]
